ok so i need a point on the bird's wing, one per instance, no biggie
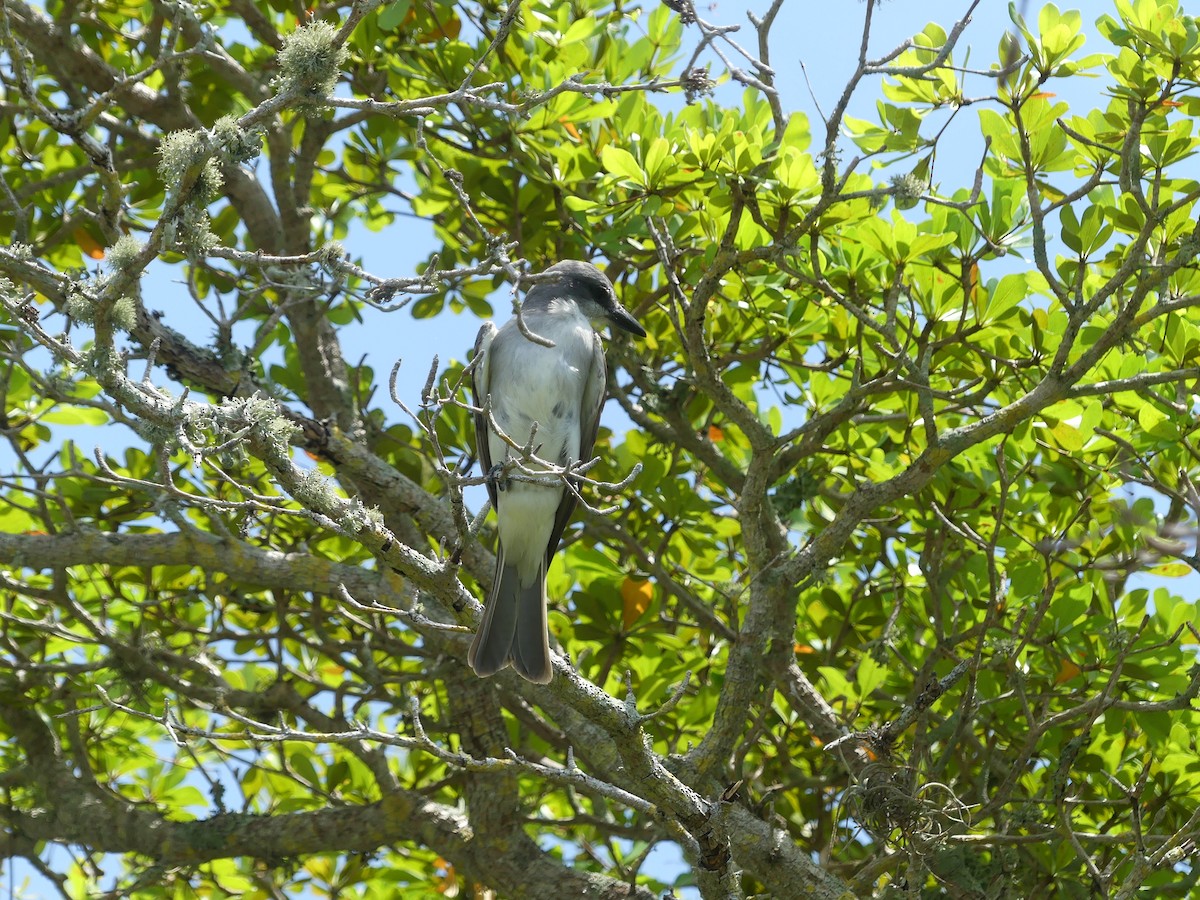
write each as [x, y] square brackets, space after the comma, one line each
[481, 385]
[593, 400]
[589, 423]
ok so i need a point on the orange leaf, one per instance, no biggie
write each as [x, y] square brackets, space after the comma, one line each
[88, 244]
[636, 595]
[1171, 104]
[715, 434]
[569, 128]
[1066, 671]
[804, 650]
[447, 881]
[1042, 95]
[448, 29]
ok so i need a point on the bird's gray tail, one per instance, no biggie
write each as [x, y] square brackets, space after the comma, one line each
[514, 628]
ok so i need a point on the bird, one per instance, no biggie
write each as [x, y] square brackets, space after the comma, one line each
[561, 389]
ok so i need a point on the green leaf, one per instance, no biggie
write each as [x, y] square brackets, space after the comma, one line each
[392, 15]
[1004, 296]
[621, 163]
[75, 415]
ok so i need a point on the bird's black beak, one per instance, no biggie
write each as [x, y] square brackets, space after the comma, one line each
[623, 320]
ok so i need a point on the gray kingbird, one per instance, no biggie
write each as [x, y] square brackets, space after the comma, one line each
[561, 389]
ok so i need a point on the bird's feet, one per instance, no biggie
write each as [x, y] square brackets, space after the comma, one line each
[496, 476]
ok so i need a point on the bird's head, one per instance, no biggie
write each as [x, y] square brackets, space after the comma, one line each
[591, 291]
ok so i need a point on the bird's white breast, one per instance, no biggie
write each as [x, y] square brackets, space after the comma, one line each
[542, 384]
